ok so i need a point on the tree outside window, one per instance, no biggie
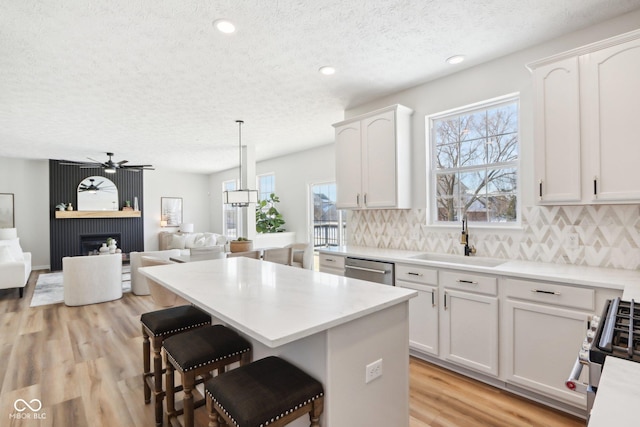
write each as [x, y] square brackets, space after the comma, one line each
[475, 163]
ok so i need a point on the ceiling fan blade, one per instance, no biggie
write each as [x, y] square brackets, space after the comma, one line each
[95, 161]
[89, 166]
[122, 162]
[98, 184]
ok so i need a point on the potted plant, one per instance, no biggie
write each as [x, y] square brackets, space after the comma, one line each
[241, 244]
[61, 206]
[268, 219]
[127, 206]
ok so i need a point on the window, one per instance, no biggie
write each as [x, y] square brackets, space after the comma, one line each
[230, 214]
[266, 186]
[328, 224]
[474, 163]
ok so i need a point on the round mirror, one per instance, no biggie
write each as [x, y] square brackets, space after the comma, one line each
[97, 193]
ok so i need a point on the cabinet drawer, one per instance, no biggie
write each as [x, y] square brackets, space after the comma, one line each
[551, 293]
[417, 274]
[469, 282]
[332, 261]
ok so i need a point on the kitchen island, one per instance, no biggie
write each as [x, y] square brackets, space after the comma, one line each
[330, 326]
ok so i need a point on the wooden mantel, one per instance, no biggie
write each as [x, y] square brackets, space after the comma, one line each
[97, 214]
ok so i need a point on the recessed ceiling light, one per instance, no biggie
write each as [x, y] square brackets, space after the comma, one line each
[224, 26]
[327, 71]
[456, 59]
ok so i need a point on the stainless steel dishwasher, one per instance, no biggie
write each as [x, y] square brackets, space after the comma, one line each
[366, 269]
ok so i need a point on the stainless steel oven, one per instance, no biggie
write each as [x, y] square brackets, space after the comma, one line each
[373, 271]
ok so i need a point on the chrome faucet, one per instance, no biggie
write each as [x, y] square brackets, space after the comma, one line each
[464, 239]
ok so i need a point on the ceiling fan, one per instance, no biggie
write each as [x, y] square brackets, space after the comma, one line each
[109, 166]
[91, 188]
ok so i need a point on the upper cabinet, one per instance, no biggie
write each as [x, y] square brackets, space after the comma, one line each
[373, 160]
[585, 105]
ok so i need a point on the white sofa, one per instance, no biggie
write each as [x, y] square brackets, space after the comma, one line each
[185, 241]
[15, 265]
[139, 285]
[92, 279]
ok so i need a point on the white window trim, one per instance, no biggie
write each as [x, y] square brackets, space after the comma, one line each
[430, 173]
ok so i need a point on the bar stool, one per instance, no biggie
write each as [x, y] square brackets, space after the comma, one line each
[158, 326]
[198, 353]
[269, 392]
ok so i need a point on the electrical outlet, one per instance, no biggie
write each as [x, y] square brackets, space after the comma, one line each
[572, 240]
[373, 371]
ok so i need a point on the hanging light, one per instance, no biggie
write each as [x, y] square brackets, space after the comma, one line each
[243, 197]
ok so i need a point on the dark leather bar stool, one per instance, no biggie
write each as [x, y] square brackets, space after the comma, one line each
[198, 353]
[156, 327]
[268, 392]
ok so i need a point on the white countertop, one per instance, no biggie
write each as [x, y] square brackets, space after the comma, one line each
[608, 278]
[272, 303]
[618, 394]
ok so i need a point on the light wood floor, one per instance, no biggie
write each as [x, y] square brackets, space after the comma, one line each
[84, 365]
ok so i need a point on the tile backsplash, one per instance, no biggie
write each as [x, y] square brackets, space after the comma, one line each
[608, 235]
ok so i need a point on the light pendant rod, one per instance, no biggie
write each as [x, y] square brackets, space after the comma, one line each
[240, 123]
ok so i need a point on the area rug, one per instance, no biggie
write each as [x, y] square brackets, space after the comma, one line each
[49, 288]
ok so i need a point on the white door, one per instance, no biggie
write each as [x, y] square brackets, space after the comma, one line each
[379, 176]
[557, 132]
[470, 330]
[423, 317]
[542, 345]
[348, 166]
[611, 103]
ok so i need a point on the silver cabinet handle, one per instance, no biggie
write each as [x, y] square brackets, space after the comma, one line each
[411, 273]
[433, 298]
[540, 291]
[468, 282]
[370, 270]
[445, 300]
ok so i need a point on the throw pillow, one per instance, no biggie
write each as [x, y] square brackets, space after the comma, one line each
[14, 248]
[190, 240]
[199, 242]
[5, 255]
[210, 240]
[177, 242]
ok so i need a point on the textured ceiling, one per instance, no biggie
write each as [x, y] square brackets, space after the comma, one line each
[154, 82]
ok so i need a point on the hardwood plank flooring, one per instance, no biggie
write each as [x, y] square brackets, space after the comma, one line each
[84, 365]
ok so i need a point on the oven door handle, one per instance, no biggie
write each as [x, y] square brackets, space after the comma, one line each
[573, 382]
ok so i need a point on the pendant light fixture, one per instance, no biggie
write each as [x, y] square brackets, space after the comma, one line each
[243, 197]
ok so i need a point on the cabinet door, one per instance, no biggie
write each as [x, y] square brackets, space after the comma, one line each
[611, 104]
[379, 177]
[348, 166]
[557, 132]
[542, 346]
[470, 330]
[423, 317]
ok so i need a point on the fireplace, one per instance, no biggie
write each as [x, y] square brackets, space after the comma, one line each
[90, 243]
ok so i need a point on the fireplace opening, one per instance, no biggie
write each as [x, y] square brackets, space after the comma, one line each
[91, 243]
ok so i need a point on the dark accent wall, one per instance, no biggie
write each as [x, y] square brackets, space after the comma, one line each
[65, 233]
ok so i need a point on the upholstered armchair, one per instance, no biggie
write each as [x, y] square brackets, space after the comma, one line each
[15, 265]
[302, 255]
[139, 285]
[92, 279]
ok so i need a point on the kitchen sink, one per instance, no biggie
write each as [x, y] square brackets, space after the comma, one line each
[459, 259]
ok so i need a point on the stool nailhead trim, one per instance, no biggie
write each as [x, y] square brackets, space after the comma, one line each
[203, 363]
[276, 418]
[173, 331]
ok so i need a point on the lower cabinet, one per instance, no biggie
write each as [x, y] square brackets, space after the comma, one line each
[545, 324]
[333, 264]
[470, 330]
[423, 317]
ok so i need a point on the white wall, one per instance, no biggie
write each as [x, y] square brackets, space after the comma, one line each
[294, 173]
[194, 190]
[28, 180]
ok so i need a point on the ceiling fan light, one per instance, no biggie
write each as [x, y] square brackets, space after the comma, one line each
[224, 26]
[110, 170]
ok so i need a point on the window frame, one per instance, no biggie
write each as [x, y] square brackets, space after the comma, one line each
[432, 172]
[258, 179]
[226, 208]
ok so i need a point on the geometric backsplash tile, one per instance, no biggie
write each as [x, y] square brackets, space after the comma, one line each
[608, 235]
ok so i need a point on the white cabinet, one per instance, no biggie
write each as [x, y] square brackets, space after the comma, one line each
[329, 263]
[373, 160]
[469, 318]
[611, 105]
[585, 109]
[545, 324]
[423, 309]
[557, 131]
